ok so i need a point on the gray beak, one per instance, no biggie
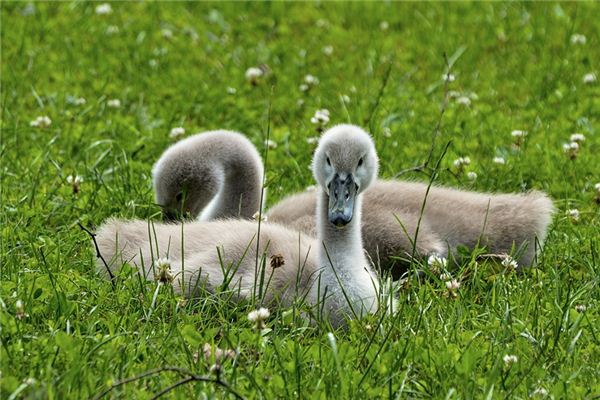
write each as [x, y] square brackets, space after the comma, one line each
[342, 194]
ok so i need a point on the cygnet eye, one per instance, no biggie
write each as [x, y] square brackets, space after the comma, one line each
[179, 196]
[360, 162]
[328, 161]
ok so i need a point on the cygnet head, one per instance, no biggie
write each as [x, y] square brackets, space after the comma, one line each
[344, 164]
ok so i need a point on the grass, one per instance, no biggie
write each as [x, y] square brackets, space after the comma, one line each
[74, 336]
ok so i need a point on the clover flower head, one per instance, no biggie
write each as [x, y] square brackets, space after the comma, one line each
[436, 262]
[499, 160]
[510, 359]
[259, 316]
[461, 162]
[510, 263]
[573, 214]
[578, 38]
[270, 144]
[20, 309]
[253, 75]
[103, 9]
[452, 285]
[577, 138]
[463, 100]
[589, 78]
[448, 77]
[176, 132]
[113, 103]
[163, 267]
[41, 122]
[320, 119]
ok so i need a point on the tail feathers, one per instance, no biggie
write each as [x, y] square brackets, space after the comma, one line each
[533, 215]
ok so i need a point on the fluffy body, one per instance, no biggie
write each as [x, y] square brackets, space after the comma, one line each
[331, 272]
[216, 174]
[451, 218]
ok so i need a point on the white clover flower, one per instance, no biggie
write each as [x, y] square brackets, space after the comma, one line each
[463, 100]
[153, 63]
[271, 144]
[328, 50]
[79, 101]
[303, 87]
[253, 75]
[41, 122]
[259, 316]
[436, 262]
[589, 78]
[231, 90]
[20, 309]
[472, 175]
[445, 277]
[539, 392]
[312, 140]
[578, 38]
[597, 187]
[571, 149]
[577, 137]
[353, 89]
[166, 33]
[74, 179]
[345, 98]
[114, 103]
[112, 30]
[580, 308]
[448, 77]
[518, 133]
[103, 9]
[311, 80]
[387, 132]
[573, 214]
[262, 216]
[219, 354]
[176, 132]
[384, 25]
[499, 160]
[163, 268]
[510, 263]
[461, 162]
[510, 359]
[320, 119]
[452, 285]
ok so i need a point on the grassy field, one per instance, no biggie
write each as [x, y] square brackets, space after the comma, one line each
[534, 67]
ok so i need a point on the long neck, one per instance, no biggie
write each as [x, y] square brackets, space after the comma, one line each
[344, 282]
[340, 248]
[240, 193]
